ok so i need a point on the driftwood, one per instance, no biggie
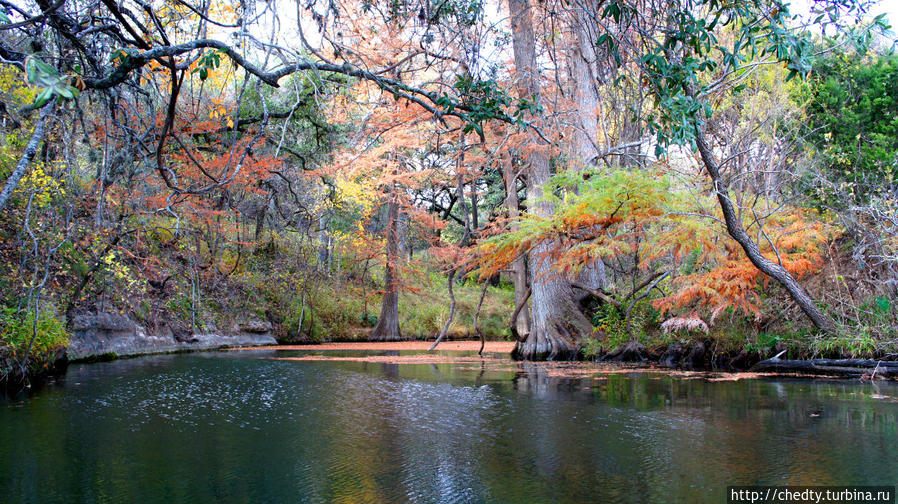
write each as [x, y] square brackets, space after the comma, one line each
[863, 368]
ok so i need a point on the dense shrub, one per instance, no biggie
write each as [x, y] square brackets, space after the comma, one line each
[17, 329]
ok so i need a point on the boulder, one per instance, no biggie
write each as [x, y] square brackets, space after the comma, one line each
[672, 356]
[632, 351]
[255, 326]
[696, 357]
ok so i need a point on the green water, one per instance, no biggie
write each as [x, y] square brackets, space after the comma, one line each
[240, 427]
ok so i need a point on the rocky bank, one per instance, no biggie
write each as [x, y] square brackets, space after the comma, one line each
[110, 335]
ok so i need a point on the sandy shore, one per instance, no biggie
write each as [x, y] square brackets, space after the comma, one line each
[455, 346]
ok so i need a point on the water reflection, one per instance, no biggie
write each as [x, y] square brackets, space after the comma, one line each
[241, 428]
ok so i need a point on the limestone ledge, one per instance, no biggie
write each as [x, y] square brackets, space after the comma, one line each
[99, 335]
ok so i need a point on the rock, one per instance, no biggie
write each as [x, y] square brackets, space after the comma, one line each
[743, 361]
[672, 356]
[255, 326]
[103, 321]
[102, 334]
[696, 357]
[629, 352]
[183, 335]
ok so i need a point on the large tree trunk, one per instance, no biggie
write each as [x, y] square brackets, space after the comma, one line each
[387, 328]
[582, 61]
[557, 323]
[518, 267]
[752, 250]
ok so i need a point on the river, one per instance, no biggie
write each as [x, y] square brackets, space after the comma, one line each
[244, 427]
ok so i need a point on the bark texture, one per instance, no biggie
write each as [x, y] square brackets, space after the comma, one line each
[557, 324]
[518, 267]
[738, 233]
[387, 328]
[583, 76]
[30, 151]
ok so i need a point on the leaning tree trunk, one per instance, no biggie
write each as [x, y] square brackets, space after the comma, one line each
[387, 328]
[752, 250]
[460, 188]
[30, 151]
[558, 326]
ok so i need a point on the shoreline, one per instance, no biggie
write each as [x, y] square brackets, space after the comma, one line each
[626, 359]
[410, 345]
[497, 355]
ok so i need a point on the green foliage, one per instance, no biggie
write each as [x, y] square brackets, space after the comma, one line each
[484, 100]
[424, 320]
[328, 314]
[611, 321]
[852, 120]
[603, 213]
[765, 342]
[207, 63]
[17, 329]
[422, 315]
[677, 66]
[859, 343]
[883, 305]
[181, 307]
[43, 75]
[121, 56]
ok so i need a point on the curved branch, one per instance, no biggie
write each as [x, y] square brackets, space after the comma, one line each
[33, 19]
[428, 100]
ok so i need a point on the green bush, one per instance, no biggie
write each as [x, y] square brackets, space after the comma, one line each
[421, 317]
[17, 329]
[852, 119]
[328, 314]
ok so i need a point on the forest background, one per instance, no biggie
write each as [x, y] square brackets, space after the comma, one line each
[576, 176]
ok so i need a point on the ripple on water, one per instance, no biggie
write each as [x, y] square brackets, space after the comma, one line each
[239, 428]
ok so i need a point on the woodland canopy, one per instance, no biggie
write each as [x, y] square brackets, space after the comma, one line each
[576, 175]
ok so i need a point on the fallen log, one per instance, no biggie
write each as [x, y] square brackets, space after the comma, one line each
[831, 367]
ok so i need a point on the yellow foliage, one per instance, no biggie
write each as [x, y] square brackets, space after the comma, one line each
[43, 185]
[13, 87]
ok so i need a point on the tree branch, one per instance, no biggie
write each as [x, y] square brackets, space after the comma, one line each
[30, 151]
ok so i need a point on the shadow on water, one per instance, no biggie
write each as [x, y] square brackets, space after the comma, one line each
[241, 427]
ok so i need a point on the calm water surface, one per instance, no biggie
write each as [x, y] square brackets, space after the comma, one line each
[240, 427]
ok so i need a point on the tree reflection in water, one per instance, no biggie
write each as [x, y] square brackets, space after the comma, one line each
[239, 428]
